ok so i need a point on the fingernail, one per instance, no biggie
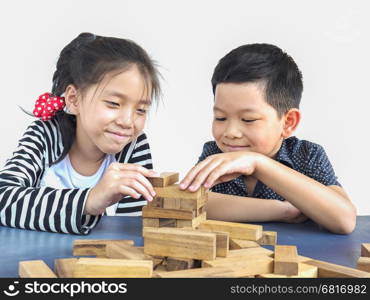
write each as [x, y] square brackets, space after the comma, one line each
[153, 194]
[206, 185]
[192, 188]
[150, 198]
[154, 173]
[182, 186]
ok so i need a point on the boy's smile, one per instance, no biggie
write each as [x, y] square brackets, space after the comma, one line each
[244, 121]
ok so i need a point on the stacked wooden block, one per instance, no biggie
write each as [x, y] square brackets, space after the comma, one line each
[363, 262]
[180, 242]
[173, 207]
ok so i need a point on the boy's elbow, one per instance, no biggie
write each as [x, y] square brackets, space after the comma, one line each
[347, 225]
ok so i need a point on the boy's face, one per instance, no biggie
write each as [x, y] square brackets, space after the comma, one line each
[244, 121]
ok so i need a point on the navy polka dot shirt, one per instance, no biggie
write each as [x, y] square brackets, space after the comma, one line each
[303, 156]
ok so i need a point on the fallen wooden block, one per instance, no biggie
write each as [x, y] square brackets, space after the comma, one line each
[246, 266]
[365, 249]
[236, 230]
[193, 223]
[268, 238]
[286, 260]
[249, 252]
[363, 264]
[175, 264]
[304, 271]
[64, 267]
[112, 268]
[217, 272]
[165, 179]
[94, 247]
[35, 269]
[241, 244]
[176, 242]
[329, 270]
[122, 251]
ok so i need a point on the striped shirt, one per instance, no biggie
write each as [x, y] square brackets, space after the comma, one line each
[25, 204]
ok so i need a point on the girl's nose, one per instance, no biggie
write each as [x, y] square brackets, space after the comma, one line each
[126, 119]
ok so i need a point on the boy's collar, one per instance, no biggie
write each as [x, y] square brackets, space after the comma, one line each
[283, 154]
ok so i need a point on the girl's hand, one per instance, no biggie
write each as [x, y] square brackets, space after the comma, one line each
[219, 168]
[118, 181]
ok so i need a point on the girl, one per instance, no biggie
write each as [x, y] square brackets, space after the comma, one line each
[87, 155]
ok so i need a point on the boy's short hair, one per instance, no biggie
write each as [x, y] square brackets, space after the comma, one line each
[267, 64]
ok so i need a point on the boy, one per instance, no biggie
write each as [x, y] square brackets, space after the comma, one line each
[266, 174]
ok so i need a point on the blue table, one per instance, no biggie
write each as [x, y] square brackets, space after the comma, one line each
[310, 239]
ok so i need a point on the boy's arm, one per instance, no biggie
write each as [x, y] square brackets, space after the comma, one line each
[327, 205]
[245, 209]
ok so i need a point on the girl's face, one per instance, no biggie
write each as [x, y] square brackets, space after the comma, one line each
[113, 112]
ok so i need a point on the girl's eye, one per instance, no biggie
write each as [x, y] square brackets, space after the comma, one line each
[112, 103]
[142, 111]
[248, 121]
[220, 119]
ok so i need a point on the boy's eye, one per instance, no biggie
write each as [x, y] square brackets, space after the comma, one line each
[220, 119]
[248, 121]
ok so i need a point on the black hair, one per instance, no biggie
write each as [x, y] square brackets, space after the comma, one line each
[85, 61]
[267, 64]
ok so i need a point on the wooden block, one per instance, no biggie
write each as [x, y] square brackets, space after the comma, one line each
[217, 272]
[191, 223]
[171, 203]
[236, 230]
[191, 204]
[268, 238]
[112, 268]
[241, 244]
[64, 267]
[304, 271]
[167, 222]
[154, 212]
[94, 247]
[365, 249]
[35, 269]
[151, 222]
[122, 251]
[165, 179]
[156, 202]
[176, 242]
[363, 264]
[249, 252]
[329, 270]
[250, 266]
[173, 191]
[175, 264]
[286, 260]
[222, 241]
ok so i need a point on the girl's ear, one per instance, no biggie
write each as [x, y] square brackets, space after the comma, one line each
[291, 121]
[71, 98]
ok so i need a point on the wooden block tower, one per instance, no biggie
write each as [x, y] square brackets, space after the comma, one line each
[173, 207]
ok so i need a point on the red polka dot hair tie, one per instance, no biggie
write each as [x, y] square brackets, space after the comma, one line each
[47, 105]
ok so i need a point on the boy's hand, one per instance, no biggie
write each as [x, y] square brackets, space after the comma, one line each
[292, 214]
[219, 168]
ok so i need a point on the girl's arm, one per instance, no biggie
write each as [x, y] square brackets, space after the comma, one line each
[23, 204]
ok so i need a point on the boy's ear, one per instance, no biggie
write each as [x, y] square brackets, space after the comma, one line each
[291, 121]
[71, 97]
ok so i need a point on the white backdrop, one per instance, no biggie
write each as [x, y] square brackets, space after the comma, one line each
[329, 40]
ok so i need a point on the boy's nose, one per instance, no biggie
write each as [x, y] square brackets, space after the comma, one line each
[232, 132]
